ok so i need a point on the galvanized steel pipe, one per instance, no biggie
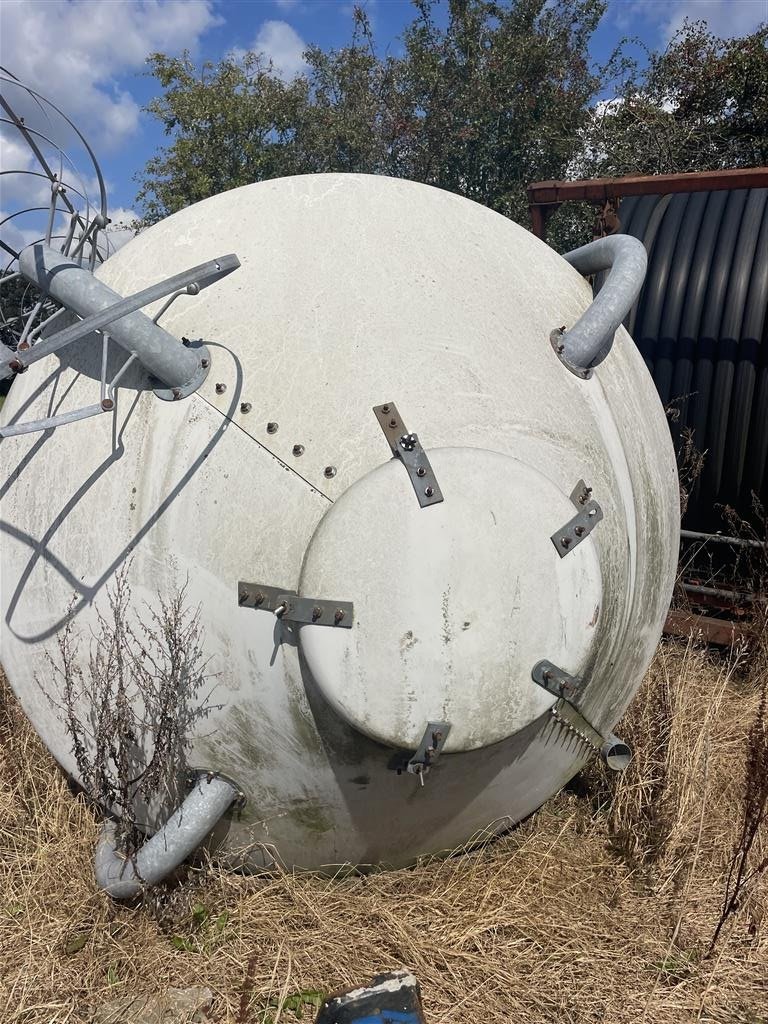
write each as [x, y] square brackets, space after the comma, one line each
[589, 341]
[76, 288]
[123, 878]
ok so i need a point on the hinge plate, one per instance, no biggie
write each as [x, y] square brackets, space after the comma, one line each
[407, 447]
[287, 605]
[583, 523]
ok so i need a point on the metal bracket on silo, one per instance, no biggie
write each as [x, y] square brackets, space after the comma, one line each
[430, 748]
[583, 523]
[407, 447]
[290, 607]
[556, 681]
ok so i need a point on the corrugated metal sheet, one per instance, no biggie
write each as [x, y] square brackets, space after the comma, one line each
[701, 324]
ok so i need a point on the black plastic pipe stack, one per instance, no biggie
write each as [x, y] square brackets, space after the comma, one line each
[701, 324]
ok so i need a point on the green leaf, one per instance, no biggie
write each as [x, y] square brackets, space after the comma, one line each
[199, 913]
[181, 942]
[221, 922]
[112, 978]
[76, 942]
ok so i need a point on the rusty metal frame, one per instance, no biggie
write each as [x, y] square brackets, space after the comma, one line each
[544, 197]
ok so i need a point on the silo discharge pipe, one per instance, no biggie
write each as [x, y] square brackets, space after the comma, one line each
[122, 878]
[589, 341]
[616, 754]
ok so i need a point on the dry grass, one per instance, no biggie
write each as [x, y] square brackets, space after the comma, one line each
[600, 908]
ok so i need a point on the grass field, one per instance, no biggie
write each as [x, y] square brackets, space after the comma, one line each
[601, 907]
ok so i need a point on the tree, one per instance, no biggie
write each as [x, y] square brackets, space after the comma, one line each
[501, 96]
[700, 104]
[482, 106]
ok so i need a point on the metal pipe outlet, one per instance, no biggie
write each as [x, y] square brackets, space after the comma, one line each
[123, 878]
[171, 363]
[589, 341]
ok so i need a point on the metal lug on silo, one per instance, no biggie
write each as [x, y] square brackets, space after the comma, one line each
[406, 446]
[289, 607]
[589, 514]
[557, 682]
[430, 748]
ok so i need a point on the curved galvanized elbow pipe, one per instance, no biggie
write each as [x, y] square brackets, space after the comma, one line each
[589, 341]
[123, 878]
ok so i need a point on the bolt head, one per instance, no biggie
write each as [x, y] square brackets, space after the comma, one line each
[329, 472]
[220, 388]
[271, 428]
[429, 491]
[298, 449]
[245, 407]
[205, 363]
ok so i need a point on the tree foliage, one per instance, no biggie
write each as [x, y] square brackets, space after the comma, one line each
[481, 106]
[699, 104]
[500, 95]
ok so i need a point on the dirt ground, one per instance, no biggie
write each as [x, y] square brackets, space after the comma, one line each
[601, 907]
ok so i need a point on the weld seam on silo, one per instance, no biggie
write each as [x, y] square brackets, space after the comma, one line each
[590, 339]
[123, 877]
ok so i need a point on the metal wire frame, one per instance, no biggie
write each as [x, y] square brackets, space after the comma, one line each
[81, 239]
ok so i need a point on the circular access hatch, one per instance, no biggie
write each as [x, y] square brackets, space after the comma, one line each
[453, 603]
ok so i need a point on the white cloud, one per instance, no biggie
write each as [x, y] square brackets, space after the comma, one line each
[283, 45]
[725, 18]
[74, 53]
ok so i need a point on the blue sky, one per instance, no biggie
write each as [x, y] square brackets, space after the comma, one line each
[88, 55]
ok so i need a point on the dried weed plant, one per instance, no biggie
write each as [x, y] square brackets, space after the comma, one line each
[131, 715]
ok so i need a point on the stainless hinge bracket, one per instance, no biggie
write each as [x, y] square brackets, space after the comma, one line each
[557, 682]
[287, 605]
[407, 447]
[583, 523]
[432, 743]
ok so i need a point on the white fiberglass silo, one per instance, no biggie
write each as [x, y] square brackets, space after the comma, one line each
[360, 607]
